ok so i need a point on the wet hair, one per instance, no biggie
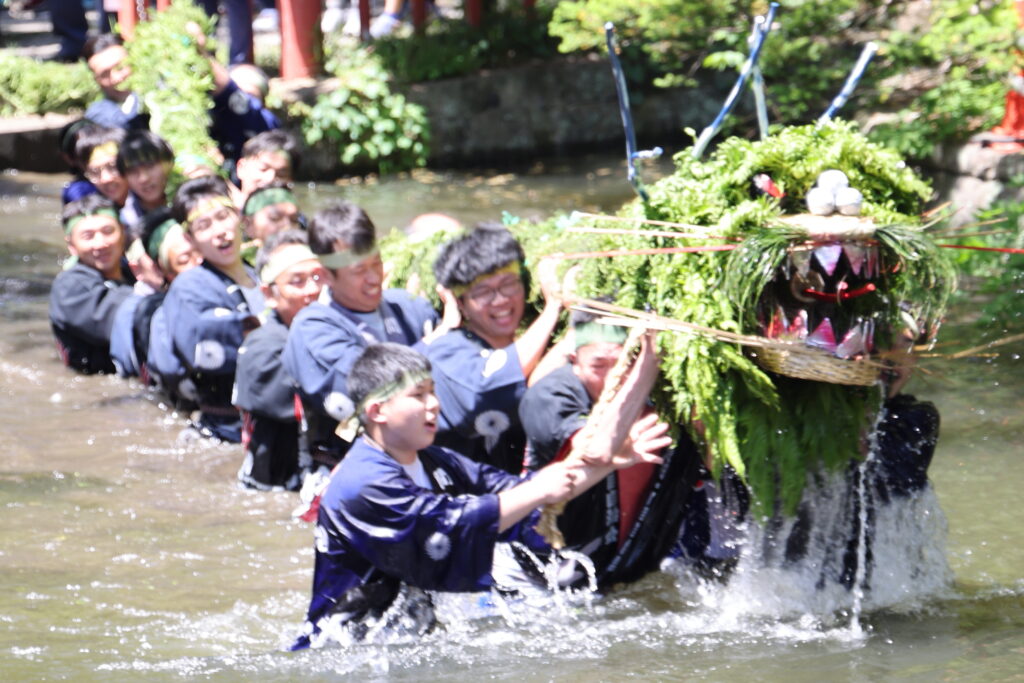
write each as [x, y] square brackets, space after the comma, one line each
[345, 222]
[99, 43]
[380, 365]
[92, 136]
[193, 191]
[68, 138]
[485, 249]
[276, 241]
[87, 206]
[276, 140]
[140, 148]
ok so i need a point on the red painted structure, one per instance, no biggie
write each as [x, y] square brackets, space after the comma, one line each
[1013, 119]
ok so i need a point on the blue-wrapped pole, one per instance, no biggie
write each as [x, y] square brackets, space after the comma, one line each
[851, 82]
[741, 82]
[760, 105]
[632, 154]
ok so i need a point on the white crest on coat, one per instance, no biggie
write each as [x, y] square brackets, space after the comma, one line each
[210, 354]
[339, 406]
[438, 546]
[496, 361]
[490, 424]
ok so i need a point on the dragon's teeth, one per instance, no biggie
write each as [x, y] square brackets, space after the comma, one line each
[828, 256]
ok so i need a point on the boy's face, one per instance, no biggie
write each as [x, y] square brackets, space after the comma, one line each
[262, 169]
[358, 287]
[295, 288]
[273, 219]
[409, 419]
[98, 242]
[102, 172]
[181, 256]
[213, 229]
[149, 182]
[110, 69]
[591, 364]
[493, 307]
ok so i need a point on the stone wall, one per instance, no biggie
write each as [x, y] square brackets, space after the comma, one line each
[974, 177]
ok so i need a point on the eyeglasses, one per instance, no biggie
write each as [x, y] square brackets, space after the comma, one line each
[508, 288]
[95, 173]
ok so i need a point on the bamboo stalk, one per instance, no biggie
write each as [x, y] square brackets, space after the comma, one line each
[645, 233]
[642, 221]
[653, 251]
[999, 342]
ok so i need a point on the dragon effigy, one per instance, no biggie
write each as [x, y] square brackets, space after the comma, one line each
[792, 278]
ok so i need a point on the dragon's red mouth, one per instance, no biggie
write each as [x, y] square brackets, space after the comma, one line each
[826, 296]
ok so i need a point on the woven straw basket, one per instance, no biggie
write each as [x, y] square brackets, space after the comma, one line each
[816, 365]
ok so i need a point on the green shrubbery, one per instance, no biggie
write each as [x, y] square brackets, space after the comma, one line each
[29, 87]
[368, 124]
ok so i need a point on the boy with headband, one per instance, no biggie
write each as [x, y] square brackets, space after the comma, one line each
[628, 522]
[326, 337]
[211, 308]
[291, 278]
[85, 298]
[401, 516]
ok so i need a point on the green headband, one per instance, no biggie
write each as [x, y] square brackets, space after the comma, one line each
[595, 332]
[348, 429]
[284, 258]
[156, 240]
[337, 260]
[70, 224]
[261, 199]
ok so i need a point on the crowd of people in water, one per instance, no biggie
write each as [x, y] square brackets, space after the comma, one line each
[424, 443]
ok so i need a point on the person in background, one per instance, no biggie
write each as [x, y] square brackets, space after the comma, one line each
[108, 60]
[326, 338]
[79, 186]
[269, 209]
[267, 158]
[145, 160]
[85, 298]
[209, 309]
[481, 368]
[96, 151]
[291, 278]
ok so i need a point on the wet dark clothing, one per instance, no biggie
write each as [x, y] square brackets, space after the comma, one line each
[552, 411]
[208, 315]
[118, 114]
[324, 342]
[479, 389]
[377, 528]
[266, 395]
[83, 305]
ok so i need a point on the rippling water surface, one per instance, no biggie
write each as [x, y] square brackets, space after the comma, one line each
[128, 554]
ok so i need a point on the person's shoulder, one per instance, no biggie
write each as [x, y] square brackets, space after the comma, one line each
[363, 466]
[319, 315]
[271, 334]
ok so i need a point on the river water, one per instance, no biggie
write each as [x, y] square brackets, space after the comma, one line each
[127, 554]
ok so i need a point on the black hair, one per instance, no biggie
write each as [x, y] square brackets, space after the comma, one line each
[150, 222]
[578, 317]
[276, 140]
[142, 147]
[484, 249]
[92, 136]
[68, 138]
[342, 221]
[194, 191]
[87, 206]
[276, 241]
[99, 43]
[382, 364]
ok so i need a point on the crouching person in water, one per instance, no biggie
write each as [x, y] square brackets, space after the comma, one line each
[291, 278]
[209, 309]
[401, 516]
[85, 298]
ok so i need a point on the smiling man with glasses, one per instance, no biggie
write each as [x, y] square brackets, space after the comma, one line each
[480, 368]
